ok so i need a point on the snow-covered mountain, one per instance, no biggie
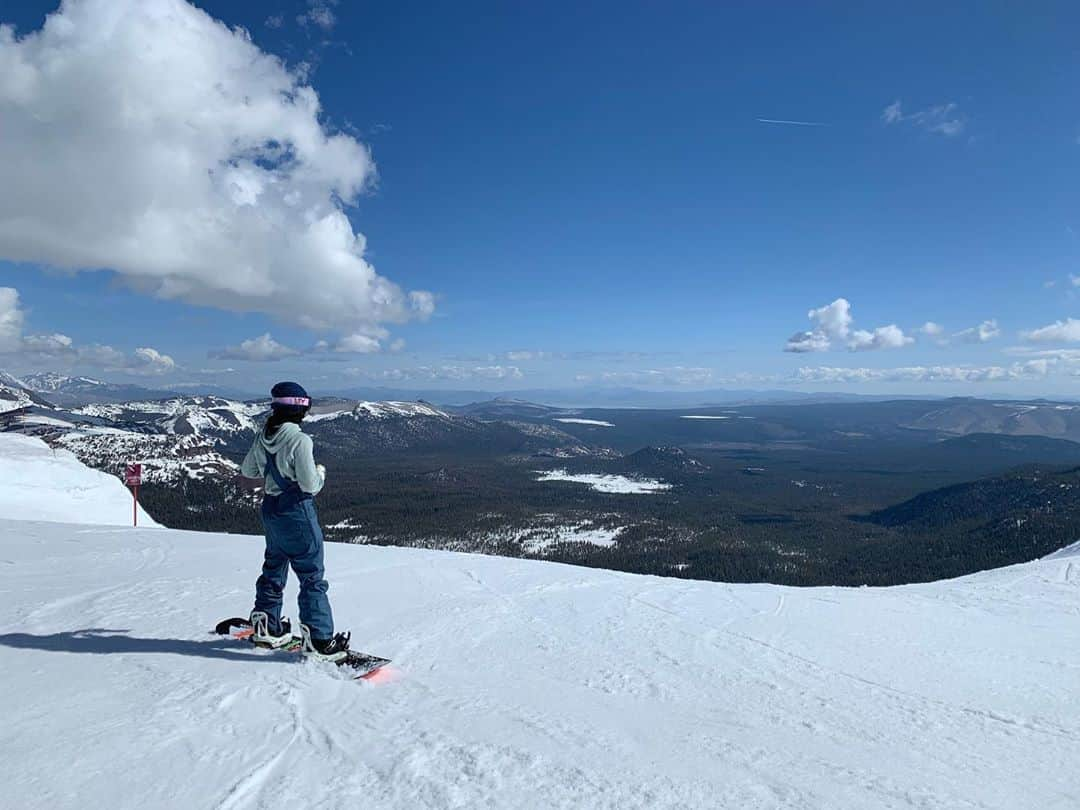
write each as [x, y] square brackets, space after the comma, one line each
[13, 397]
[176, 439]
[69, 391]
[198, 437]
[182, 416]
[962, 417]
[354, 428]
[517, 684]
[14, 394]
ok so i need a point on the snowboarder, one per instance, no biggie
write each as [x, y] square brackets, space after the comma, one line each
[282, 457]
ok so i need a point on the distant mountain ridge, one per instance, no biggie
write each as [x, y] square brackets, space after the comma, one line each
[961, 417]
[74, 391]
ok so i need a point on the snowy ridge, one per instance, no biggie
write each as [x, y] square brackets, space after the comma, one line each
[41, 483]
[48, 382]
[520, 684]
[12, 398]
[381, 410]
[183, 415]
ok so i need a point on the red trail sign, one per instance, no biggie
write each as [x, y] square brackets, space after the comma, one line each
[133, 477]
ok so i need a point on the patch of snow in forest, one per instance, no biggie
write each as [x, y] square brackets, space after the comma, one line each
[539, 540]
[610, 484]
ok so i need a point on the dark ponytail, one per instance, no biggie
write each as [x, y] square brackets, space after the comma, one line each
[279, 416]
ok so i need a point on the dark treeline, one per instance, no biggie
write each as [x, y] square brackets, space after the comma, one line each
[798, 518]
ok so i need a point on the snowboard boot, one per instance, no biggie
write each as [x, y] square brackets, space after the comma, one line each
[265, 635]
[334, 649]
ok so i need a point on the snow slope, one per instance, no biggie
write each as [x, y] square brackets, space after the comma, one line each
[39, 483]
[522, 684]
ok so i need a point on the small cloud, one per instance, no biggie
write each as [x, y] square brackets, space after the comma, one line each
[832, 329]
[11, 319]
[147, 361]
[983, 333]
[1066, 331]
[422, 303]
[892, 113]
[275, 21]
[60, 347]
[320, 13]
[884, 337]
[931, 329]
[262, 349]
[357, 344]
[942, 119]
[1025, 370]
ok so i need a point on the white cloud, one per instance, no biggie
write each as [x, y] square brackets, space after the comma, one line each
[145, 137]
[422, 303]
[1030, 369]
[358, 344]
[262, 349]
[983, 333]
[54, 345]
[59, 348]
[832, 329]
[931, 329]
[805, 342]
[1068, 356]
[892, 114]
[519, 356]
[147, 361]
[884, 337]
[101, 356]
[1074, 280]
[319, 13]
[11, 319]
[943, 119]
[1066, 331]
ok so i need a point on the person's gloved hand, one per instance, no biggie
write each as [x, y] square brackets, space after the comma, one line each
[321, 470]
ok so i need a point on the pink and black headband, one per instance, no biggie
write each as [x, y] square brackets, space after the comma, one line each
[303, 402]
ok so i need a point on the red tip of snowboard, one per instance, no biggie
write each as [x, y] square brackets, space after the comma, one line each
[384, 674]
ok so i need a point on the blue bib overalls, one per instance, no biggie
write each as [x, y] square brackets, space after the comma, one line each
[293, 537]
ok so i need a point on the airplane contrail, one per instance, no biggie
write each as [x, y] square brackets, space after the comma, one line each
[792, 123]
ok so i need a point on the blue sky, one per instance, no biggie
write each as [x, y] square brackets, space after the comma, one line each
[592, 197]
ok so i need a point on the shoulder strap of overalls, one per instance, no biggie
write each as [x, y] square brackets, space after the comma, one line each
[284, 484]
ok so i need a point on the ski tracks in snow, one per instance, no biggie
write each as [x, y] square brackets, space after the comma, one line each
[246, 790]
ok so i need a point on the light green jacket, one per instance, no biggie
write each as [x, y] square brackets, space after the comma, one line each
[295, 459]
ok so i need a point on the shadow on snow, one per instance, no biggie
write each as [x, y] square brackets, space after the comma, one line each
[102, 641]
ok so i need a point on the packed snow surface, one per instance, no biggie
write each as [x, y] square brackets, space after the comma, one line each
[522, 684]
[594, 422]
[611, 484]
[40, 483]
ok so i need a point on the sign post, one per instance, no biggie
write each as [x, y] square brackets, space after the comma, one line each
[133, 477]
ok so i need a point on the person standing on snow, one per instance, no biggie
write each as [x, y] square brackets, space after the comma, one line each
[282, 457]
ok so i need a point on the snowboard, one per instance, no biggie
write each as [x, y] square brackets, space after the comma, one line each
[363, 665]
